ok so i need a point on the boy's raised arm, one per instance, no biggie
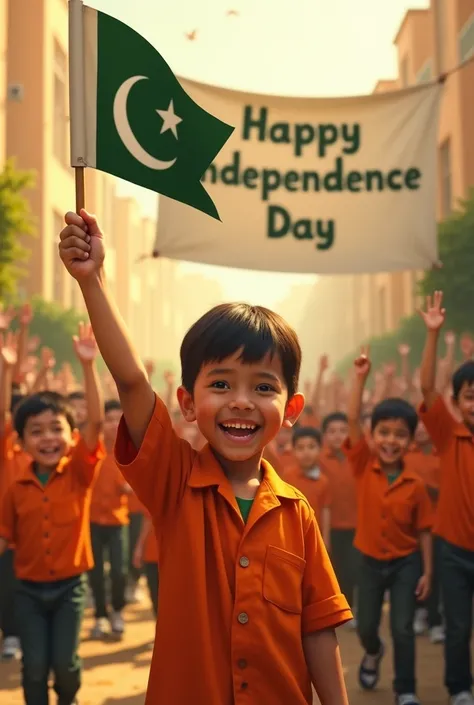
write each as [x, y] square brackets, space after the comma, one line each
[82, 252]
[361, 372]
[86, 351]
[433, 318]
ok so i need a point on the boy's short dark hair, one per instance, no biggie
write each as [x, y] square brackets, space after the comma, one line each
[112, 405]
[306, 432]
[37, 404]
[463, 375]
[16, 400]
[227, 328]
[395, 408]
[335, 416]
[76, 395]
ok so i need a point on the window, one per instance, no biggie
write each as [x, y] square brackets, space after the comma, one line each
[466, 40]
[404, 72]
[425, 74]
[446, 179]
[60, 104]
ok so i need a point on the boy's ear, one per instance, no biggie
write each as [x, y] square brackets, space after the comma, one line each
[186, 404]
[294, 407]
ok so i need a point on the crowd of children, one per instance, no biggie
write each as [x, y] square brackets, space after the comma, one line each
[273, 520]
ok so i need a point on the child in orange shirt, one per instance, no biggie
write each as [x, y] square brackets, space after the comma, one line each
[109, 528]
[248, 598]
[455, 515]
[394, 516]
[308, 477]
[342, 486]
[146, 555]
[45, 513]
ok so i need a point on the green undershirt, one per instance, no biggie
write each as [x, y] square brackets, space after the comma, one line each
[245, 505]
[393, 476]
[43, 477]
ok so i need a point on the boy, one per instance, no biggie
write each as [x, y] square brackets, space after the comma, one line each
[248, 599]
[423, 459]
[394, 516]
[109, 527]
[45, 513]
[455, 517]
[308, 477]
[342, 486]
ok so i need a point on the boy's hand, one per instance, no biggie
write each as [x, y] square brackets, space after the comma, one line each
[26, 315]
[48, 361]
[85, 346]
[323, 363]
[404, 349]
[423, 588]
[450, 338]
[434, 315]
[81, 248]
[467, 346]
[362, 364]
[169, 378]
[8, 349]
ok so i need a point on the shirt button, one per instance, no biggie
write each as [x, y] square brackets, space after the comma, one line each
[244, 685]
[242, 663]
[243, 618]
[244, 562]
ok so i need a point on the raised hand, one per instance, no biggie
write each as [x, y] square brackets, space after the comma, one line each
[6, 317]
[434, 314]
[81, 246]
[450, 338]
[150, 368]
[48, 361]
[404, 349]
[323, 363]
[33, 344]
[26, 315]
[467, 346]
[362, 363]
[84, 343]
[169, 377]
[389, 370]
[8, 349]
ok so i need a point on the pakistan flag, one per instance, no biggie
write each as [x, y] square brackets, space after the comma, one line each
[139, 123]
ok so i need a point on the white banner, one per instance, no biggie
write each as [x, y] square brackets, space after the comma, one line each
[328, 186]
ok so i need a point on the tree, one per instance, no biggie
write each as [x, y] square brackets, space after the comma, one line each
[455, 277]
[15, 220]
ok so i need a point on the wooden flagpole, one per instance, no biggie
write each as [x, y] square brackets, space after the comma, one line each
[77, 98]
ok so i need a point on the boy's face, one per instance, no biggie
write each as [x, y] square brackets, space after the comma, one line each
[391, 439]
[47, 437]
[239, 408]
[79, 409]
[307, 452]
[465, 404]
[422, 436]
[336, 434]
[111, 423]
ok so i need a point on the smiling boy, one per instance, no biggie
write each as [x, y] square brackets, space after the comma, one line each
[248, 598]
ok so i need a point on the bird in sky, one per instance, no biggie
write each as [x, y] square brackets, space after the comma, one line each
[191, 35]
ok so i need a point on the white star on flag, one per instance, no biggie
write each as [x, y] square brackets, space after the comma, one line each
[170, 120]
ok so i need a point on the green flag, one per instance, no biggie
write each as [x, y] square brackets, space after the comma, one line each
[137, 122]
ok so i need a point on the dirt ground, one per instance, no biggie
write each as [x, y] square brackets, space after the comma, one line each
[116, 673]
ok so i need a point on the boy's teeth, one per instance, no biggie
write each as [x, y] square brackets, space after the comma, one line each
[239, 425]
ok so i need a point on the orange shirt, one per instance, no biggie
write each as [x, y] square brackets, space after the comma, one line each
[455, 446]
[150, 547]
[134, 504]
[49, 525]
[13, 461]
[427, 466]
[235, 598]
[389, 517]
[316, 491]
[342, 486]
[109, 504]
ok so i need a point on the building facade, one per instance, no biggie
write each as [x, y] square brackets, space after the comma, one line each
[371, 305]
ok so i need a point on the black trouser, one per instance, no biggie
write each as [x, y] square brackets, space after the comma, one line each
[433, 603]
[134, 530]
[49, 617]
[457, 585]
[152, 578]
[344, 561]
[400, 576]
[111, 540]
[7, 594]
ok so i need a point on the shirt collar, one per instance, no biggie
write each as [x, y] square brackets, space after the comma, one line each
[28, 474]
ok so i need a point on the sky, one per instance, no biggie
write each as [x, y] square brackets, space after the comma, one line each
[284, 47]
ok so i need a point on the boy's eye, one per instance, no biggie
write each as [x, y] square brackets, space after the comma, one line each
[220, 384]
[265, 388]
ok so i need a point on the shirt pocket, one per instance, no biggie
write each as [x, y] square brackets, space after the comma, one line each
[403, 514]
[283, 578]
[66, 511]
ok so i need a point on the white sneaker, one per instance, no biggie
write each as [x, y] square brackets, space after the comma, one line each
[437, 635]
[137, 595]
[420, 624]
[117, 624]
[464, 698]
[11, 648]
[100, 629]
[407, 699]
